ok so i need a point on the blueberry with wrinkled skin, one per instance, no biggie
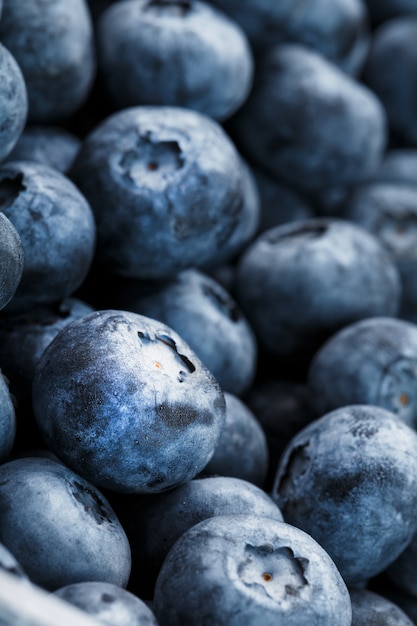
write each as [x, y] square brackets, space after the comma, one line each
[339, 31]
[388, 210]
[372, 609]
[300, 282]
[349, 480]
[53, 44]
[252, 570]
[308, 123]
[13, 101]
[59, 527]
[7, 418]
[168, 190]
[242, 450]
[108, 603]
[174, 52]
[372, 361]
[125, 402]
[11, 260]
[207, 317]
[54, 146]
[57, 229]
[10, 564]
[23, 338]
[389, 72]
[154, 522]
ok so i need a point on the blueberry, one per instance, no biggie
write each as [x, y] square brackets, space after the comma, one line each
[242, 450]
[308, 122]
[13, 101]
[108, 603]
[382, 10]
[244, 567]
[389, 70]
[23, 338]
[401, 572]
[300, 282]
[399, 165]
[59, 527]
[168, 189]
[11, 260]
[207, 317]
[124, 401]
[372, 609]
[174, 52]
[54, 146]
[53, 44]
[373, 361]
[57, 229]
[349, 480]
[7, 419]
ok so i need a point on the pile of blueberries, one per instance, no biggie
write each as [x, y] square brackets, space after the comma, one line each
[208, 309]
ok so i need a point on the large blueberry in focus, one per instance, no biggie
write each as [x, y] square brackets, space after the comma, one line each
[174, 52]
[7, 419]
[349, 479]
[124, 401]
[207, 317]
[154, 522]
[57, 229]
[51, 145]
[372, 361]
[59, 527]
[372, 609]
[53, 43]
[11, 260]
[308, 122]
[236, 569]
[13, 101]
[108, 603]
[389, 71]
[300, 282]
[168, 190]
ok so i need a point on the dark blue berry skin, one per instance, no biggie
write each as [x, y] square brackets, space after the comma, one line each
[154, 522]
[402, 572]
[13, 101]
[182, 53]
[168, 189]
[11, 260]
[242, 450]
[59, 527]
[23, 338]
[388, 210]
[308, 122]
[236, 569]
[382, 10]
[207, 317]
[349, 480]
[338, 31]
[54, 46]
[50, 145]
[10, 564]
[372, 609]
[7, 419]
[389, 70]
[372, 361]
[125, 402]
[57, 229]
[108, 603]
[300, 282]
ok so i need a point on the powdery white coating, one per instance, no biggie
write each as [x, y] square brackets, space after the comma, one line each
[252, 570]
[123, 400]
[13, 101]
[59, 527]
[181, 53]
[11, 260]
[349, 479]
[168, 190]
[108, 603]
